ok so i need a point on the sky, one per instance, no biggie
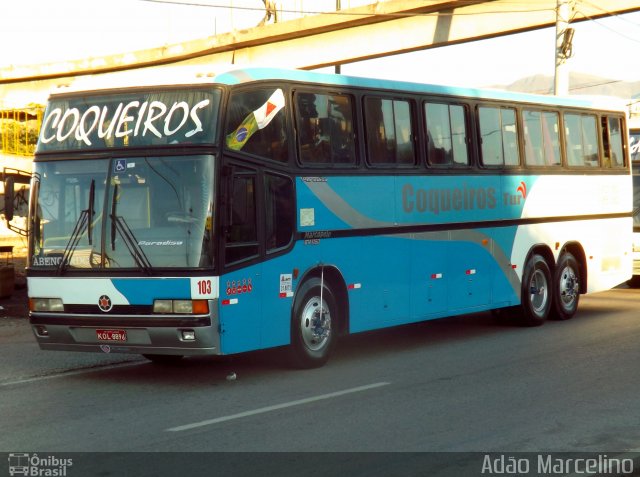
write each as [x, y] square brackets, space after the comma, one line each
[44, 31]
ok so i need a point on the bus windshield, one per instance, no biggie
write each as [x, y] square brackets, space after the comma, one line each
[126, 213]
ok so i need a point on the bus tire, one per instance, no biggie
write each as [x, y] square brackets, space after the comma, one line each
[566, 287]
[312, 334]
[536, 291]
[164, 359]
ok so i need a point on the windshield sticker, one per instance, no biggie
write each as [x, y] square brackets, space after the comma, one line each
[119, 166]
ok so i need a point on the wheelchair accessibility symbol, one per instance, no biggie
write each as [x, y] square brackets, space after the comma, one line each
[120, 165]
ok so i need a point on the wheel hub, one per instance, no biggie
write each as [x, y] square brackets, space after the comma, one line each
[316, 324]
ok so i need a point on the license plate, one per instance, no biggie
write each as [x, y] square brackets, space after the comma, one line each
[111, 335]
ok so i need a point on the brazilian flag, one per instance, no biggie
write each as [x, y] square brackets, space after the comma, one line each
[258, 119]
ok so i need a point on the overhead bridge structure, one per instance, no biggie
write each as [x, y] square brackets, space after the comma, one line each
[333, 38]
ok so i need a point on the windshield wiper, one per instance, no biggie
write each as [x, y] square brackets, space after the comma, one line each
[120, 225]
[83, 223]
[90, 211]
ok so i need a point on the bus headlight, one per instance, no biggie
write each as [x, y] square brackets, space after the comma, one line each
[46, 304]
[162, 306]
[183, 307]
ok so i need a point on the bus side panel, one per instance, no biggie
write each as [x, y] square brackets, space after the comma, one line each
[241, 310]
[506, 285]
[278, 286]
[429, 274]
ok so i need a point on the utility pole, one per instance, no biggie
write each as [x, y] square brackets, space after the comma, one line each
[564, 37]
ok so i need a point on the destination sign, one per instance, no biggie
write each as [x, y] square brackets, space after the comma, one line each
[132, 119]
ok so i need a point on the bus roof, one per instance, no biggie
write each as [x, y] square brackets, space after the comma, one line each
[247, 75]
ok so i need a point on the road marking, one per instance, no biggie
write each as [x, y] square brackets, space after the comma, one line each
[276, 407]
[72, 373]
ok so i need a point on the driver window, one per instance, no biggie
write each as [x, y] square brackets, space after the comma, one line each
[242, 233]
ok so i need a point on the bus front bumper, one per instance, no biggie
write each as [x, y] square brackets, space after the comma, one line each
[140, 336]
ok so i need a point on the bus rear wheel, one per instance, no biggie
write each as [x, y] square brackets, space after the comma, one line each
[566, 287]
[313, 325]
[536, 291]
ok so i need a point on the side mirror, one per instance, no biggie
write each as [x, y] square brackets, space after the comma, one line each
[9, 197]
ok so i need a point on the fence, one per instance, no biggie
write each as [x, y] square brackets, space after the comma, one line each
[19, 130]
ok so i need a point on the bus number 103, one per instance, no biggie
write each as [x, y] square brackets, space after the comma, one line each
[204, 287]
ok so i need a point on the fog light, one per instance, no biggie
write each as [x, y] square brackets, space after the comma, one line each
[42, 330]
[188, 335]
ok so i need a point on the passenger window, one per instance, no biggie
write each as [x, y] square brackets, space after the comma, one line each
[256, 124]
[613, 145]
[389, 131]
[499, 136]
[446, 134]
[541, 138]
[279, 213]
[582, 140]
[325, 129]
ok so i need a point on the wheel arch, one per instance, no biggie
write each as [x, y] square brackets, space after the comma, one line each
[545, 252]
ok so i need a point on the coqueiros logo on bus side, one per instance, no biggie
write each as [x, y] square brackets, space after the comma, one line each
[435, 201]
[131, 119]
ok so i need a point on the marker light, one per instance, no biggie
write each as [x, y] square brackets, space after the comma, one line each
[46, 304]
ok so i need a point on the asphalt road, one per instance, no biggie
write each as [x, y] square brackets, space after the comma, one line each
[464, 384]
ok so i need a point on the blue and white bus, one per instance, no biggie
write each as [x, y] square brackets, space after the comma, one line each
[271, 208]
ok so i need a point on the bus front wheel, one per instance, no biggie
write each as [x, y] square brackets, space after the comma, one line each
[313, 324]
[536, 291]
[566, 287]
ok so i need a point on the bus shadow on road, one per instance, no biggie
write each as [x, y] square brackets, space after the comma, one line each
[351, 349]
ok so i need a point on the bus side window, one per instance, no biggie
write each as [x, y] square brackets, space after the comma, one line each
[242, 232]
[389, 131]
[541, 138]
[256, 124]
[581, 139]
[499, 133]
[612, 140]
[446, 134]
[279, 213]
[325, 128]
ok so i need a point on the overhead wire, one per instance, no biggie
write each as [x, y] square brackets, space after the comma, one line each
[446, 12]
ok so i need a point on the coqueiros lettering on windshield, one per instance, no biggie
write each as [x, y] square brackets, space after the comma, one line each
[130, 119]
